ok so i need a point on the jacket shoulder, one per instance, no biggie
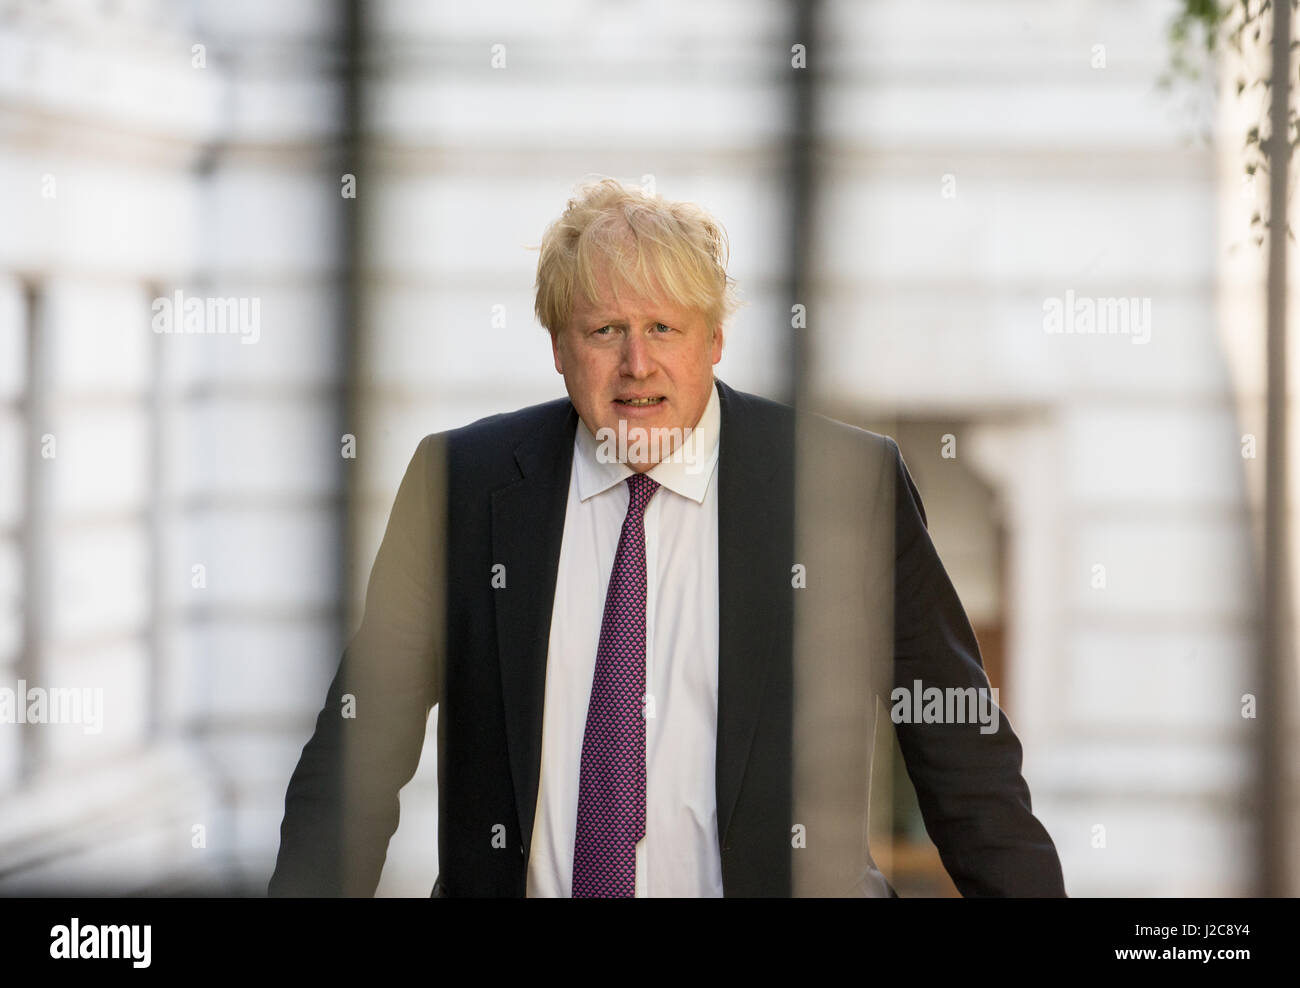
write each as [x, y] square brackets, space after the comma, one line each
[510, 428]
[779, 421]
[488, 445]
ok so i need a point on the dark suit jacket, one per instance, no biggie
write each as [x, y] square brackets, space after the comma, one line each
[822, 611]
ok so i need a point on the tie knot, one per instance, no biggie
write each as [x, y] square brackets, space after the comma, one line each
[640, 488]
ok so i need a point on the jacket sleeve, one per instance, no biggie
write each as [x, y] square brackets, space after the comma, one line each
[341, 807]
[968, 781]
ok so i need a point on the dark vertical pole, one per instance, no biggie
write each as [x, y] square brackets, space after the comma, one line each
[1273, 701]
[829, 770]
[350, 161]
[37, 537]
[800, 175]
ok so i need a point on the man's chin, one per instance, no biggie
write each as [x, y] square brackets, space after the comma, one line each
[640, 444]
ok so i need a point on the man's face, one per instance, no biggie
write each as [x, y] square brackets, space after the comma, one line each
[642, 361]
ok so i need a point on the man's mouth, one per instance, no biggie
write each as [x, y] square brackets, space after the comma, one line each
[639, 402]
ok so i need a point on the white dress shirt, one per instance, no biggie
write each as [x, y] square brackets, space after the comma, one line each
[679, 855]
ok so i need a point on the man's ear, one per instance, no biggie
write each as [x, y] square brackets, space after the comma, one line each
[555, 352]
[717, 343]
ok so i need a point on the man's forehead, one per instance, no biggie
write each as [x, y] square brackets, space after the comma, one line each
[628, 302]
[632, 311]
[624, 302]
[610, 302]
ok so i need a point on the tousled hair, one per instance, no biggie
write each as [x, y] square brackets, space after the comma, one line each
[652, 245]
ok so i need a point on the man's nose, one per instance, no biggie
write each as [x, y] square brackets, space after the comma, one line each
[636, 356]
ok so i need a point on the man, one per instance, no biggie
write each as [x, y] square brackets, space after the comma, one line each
[659, 619]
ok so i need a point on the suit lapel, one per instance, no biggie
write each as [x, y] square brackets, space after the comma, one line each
[754, 598]
[527, 529]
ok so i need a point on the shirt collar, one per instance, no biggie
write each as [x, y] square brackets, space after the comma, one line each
[687, 472]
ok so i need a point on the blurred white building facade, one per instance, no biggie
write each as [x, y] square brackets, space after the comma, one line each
[183, 548]
[987, 167]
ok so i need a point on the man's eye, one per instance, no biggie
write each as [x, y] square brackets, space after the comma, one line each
[603, 331]
[666, 329]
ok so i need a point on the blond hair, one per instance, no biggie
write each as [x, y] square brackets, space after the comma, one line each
[653, 247]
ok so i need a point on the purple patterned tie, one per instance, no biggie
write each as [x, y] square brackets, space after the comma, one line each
[611, 786]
